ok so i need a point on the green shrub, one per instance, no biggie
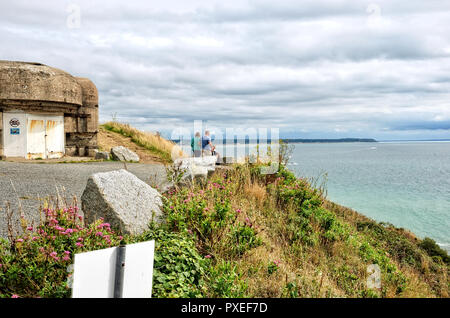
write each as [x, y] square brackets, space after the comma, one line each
[272, 267]
[433, 249]
[243, 237]
[178, 267]
[224, 281]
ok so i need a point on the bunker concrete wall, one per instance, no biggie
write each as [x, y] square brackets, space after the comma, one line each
[33, 88]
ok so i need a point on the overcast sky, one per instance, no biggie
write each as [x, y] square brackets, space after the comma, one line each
[315, 68]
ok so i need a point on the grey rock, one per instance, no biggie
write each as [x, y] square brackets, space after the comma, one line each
[121, 153]
[123, 200]
[196, 167]
[102, 155]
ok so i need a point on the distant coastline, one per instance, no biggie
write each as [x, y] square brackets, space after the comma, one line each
[298, 140]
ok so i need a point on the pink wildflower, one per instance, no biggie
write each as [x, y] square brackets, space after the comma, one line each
[30, 228]
[19, 240]
[208, 256]
[79, 244]
[15, 296]
[54, 256]
[99, 234]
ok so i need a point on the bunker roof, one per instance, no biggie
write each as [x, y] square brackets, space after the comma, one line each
[35, 81]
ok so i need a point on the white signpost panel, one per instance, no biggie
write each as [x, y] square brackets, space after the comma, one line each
[94, 272]
[138, 275]
[93, 275]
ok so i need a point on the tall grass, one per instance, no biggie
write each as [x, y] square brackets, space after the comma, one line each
[150, 141]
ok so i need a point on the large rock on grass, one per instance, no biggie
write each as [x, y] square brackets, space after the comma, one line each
[121, 153]
[123, 200]
[196, 167]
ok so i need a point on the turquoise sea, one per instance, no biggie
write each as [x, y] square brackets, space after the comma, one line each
[403, 183]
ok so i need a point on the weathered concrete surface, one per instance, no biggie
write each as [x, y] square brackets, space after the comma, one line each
[122, 200]
[121, 153]
[34, 181]
[35, 81]
[102, 155]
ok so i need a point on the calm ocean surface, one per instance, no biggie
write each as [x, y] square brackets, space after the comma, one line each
[404, 183]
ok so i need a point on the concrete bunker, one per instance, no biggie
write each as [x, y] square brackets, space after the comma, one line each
[45, 112]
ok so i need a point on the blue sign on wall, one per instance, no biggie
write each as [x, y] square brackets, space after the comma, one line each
[15, 131]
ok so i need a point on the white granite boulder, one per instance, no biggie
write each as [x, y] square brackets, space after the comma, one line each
[196, 167]
[123, 200]
[122, 153]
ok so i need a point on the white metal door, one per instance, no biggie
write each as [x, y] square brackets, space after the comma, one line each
[14, 134]
[36, 138]
[45, 136]
[54, 130]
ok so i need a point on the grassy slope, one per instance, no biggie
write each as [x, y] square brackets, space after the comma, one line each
[281, 238]
[243, 234]
[321, 250]
[150, 146]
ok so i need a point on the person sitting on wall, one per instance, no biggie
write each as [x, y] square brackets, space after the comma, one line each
[208, 148]
[206, 144]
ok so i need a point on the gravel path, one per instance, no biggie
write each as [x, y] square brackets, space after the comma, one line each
[34, 181]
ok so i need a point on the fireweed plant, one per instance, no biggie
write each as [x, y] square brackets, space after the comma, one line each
[241, 234]
[35, 264]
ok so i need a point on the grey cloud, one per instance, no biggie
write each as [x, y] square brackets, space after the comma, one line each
[310, 67]
[424, 125]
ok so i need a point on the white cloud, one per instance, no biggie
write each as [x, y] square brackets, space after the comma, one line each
[323, 68]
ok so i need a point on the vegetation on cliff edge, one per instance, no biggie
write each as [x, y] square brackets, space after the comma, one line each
[241, 234]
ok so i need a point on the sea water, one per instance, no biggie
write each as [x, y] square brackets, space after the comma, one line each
[403, 183]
